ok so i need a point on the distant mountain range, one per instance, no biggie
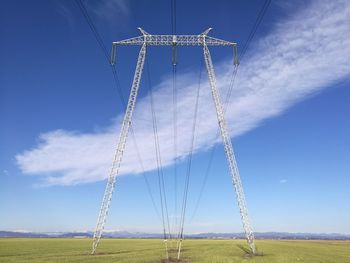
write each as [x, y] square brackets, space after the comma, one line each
[125, 234]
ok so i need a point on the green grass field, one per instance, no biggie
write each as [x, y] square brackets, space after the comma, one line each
[152, 250]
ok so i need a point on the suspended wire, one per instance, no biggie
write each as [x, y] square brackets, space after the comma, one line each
[120, 94]
[173, 17]
[189, 164]
[175, 142]
[115, 77]
[93, 28]
[161, 184]
[157, 157]
[255, 28]
[212, 152]
[174, 78]
[241, 55]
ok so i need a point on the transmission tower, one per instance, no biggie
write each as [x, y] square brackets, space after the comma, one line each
[145, 40]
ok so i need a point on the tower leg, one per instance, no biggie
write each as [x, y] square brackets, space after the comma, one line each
[106, 202]
[229, 151]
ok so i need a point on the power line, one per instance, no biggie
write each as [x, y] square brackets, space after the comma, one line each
[209, 67]
[154, 121]
[255, 27]
[193, 40]
[174, 82]
[175, 143]
[120, 94]
[173, 17]
[161, 184]
[93, 28]
[189, 164]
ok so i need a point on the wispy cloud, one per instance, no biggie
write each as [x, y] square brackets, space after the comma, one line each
[300, 57]
[106, 12]
[283, 181]
[110, 11]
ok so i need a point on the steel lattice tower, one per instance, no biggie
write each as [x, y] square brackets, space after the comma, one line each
[174, 40]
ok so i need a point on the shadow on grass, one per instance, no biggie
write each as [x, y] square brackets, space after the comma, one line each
[107, 253]
[116, 252]
[171, 259]
[248, 253]
[175, 250]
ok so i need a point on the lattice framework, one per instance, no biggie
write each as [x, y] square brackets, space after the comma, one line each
[174, 40]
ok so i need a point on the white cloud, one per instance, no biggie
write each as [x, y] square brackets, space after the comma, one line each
[300, 57]
[283, 181]
[110, 10]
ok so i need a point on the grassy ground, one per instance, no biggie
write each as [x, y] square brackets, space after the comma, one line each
[152, 250]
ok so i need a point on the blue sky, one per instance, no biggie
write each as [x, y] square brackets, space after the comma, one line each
[60, 116]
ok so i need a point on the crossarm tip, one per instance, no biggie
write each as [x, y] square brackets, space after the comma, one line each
[207, 31]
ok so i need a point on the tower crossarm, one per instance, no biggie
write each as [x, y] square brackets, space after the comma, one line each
[173, 40]
[178, 40]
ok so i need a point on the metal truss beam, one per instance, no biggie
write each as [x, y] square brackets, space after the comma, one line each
[106, 202]
[236, 180]
[173, 40]
[179, 40]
